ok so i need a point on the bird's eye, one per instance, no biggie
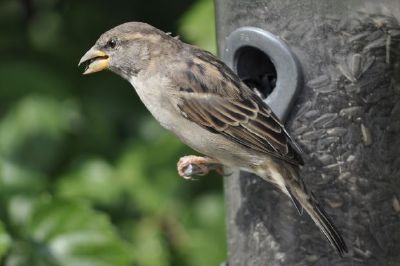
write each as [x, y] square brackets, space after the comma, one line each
[111, 43]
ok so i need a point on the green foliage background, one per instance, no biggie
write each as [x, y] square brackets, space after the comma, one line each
[87, 177]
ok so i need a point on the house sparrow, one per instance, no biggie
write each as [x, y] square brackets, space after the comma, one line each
[197, 97]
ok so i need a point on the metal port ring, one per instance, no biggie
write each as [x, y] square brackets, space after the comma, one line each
[289, 74]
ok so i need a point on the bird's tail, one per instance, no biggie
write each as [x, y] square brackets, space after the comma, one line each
[286, 178]
[324, 223]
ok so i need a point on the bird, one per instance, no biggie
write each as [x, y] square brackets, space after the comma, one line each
[196, 96]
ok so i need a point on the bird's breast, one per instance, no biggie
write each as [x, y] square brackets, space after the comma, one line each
[154, 93]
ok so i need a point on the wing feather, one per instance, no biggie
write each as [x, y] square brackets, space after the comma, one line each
[235, 112]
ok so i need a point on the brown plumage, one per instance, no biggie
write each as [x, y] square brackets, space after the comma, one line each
[197, 97]
[229, 107]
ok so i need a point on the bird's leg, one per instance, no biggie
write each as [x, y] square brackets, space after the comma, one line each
[191, 165]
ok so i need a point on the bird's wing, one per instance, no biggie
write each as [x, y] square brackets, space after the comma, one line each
[211, 95]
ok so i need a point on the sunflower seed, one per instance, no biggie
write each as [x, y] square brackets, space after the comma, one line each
[337, 131]
[356, 67]
[313, 135]
[311, 113]
[350, 112]
[325, 119]
[366, 135]
[318, 82]
[396, 204]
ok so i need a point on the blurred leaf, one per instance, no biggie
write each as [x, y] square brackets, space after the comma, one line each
[5, 241]
[67, 233]
[20, 209]
[150, 244]
[19, 188]
[15, 179]
[209, 214]
[198, 25]
[94, 179]
[146, 171]
[209, 210]
[32, 131]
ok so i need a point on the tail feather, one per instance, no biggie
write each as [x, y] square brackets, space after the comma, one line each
[287, 179]
[324, 223]
[298, 190]
[296, 203]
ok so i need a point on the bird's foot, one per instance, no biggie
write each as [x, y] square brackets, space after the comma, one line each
[191, 165]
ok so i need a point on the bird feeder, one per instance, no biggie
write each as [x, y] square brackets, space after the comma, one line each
[331, 71]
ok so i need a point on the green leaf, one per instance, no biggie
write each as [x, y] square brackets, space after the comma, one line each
[208, 216]
[70, 233]
[146, 171]
[149, 242]
[94, 179]
[15, 179]
[5, 241]
[19, 209]
[32, 132]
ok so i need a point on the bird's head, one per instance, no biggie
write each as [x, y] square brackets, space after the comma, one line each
[126, 49]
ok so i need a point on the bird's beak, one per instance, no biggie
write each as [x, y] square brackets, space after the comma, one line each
[95, 61]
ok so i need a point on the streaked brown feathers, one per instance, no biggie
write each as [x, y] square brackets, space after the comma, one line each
[221, 106]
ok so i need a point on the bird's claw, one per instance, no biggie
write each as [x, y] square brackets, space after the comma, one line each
[191, 165]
